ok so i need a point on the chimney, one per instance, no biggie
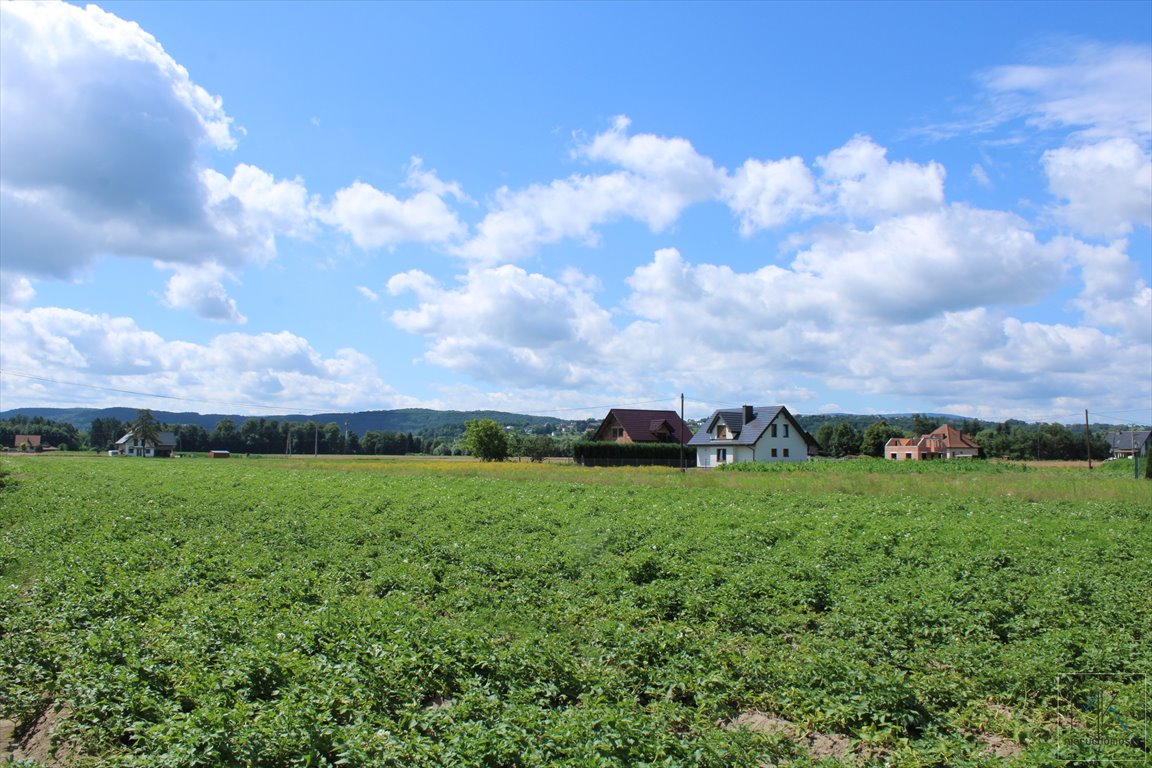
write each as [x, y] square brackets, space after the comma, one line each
[748, 414]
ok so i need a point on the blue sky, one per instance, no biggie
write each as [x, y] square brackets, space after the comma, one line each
[557, 208]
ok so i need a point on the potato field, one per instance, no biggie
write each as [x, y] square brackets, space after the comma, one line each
[367, 612]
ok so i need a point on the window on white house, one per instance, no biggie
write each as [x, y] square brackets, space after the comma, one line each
[721, 455]
[785, 430]
[785, 453]
[773, 453]
[773, 430]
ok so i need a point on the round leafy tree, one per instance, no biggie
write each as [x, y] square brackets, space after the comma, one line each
[486, 440]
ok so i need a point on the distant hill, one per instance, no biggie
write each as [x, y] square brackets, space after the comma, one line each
[418, 420]
[400, 420]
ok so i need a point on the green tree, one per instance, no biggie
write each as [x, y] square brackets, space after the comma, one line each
[538, 447]
[486, 440]
[824, 437]
[839, 438]
[845, 440]
[104, 433]
[922, 425]
[145, 429]
[224, 436]
[517, 444]
[877, 436]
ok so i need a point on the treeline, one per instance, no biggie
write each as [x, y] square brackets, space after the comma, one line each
[63, 436]
[1010, 439]
[262, 435]
[1041, 441]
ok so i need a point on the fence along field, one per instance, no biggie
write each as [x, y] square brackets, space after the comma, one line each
[367, 613]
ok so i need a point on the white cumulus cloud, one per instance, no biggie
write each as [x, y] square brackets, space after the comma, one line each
[505, 324]
[200, 289]
[376, 219]
[862, 182]
[110, 352]
[766, 194]
[1106, 187]
[912, 267]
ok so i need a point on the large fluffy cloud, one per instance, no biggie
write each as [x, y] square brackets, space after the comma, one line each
[736, 335]
[101, 352]
[862, 182]
[1106, 187]
[908, 313]
[98, 151]
[507, 325]
[1114, 295]
[909, 268]
[1102, 96]
[101, 155]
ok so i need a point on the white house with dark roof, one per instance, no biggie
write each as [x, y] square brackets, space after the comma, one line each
[1128, 444]
[164, 446]
[751, 433]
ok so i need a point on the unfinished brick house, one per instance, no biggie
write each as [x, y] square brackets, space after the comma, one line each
[944, 442]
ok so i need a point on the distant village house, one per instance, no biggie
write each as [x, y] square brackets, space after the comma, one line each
[163, 447]
[29, 443]
[1125, 445]
[944, 442]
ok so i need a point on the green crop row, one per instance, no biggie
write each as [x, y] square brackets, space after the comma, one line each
[277, 614]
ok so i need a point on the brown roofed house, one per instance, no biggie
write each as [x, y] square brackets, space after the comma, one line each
[28, 443]
[944, 442]
[623, 425]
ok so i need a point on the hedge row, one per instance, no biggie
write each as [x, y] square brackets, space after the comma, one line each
[590, 453]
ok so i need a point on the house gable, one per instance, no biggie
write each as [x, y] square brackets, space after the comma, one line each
[642, 426]
[28, 442]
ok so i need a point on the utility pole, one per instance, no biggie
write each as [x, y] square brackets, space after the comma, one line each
[1087, 439]
[682, 427]
[315, 440]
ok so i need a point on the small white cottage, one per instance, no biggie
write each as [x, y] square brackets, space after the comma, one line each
[163, 447]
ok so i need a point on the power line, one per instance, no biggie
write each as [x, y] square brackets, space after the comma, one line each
[594, 407]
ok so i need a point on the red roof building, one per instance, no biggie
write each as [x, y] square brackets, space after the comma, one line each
[623, 425]
[944, 442]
